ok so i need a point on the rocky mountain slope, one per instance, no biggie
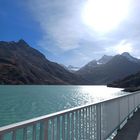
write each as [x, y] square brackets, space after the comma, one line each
[117, 67]
[93, 64]
[129, 81]
[21, 64]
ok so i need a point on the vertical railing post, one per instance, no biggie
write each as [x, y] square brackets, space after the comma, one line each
[80, 124]
[86, 124]
[134, 103]
[1, 137]
[25, 133]
[46, 130]
[34, 132]
[128, 106]
[68, 126]
[41, 131]
[83, 122]
[99, 134]
[139, 100]
[119, 111]
[63, 127]
[92, 122]
[14, 135]
[76, 126]
[58, 128]
[52, 129]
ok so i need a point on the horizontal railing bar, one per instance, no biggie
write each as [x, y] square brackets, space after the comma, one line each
[29, 122]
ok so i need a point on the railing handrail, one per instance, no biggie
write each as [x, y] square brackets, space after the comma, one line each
[59, 113]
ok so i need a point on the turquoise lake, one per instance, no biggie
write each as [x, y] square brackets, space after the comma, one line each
[18, 103]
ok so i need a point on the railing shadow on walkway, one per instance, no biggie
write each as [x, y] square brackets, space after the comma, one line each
[131, 131]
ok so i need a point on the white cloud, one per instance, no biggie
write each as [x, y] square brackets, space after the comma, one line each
[63, 31]
[124, 46]
[60, 20]
[120, 47]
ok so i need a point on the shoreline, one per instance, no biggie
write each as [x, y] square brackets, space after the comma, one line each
[131, 89]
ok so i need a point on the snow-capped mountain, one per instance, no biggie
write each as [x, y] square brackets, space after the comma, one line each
[72, 68]
[109, 69]
[130, 58]
[104, 59]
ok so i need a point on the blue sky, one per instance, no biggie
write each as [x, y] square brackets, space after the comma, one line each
[16, 23]
[56, 28]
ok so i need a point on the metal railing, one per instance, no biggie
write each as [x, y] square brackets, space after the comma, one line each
[95, 121]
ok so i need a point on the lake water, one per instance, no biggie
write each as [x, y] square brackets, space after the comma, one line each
[18, 103]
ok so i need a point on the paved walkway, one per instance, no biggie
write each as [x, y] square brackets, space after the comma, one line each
[131, 131]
